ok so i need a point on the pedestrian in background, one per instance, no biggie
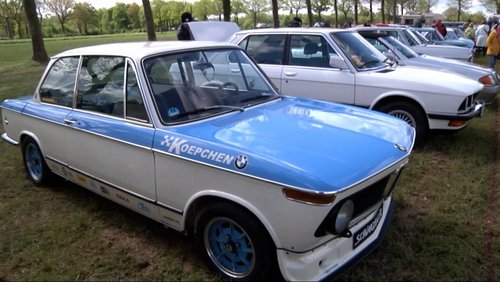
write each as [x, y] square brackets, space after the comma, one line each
[440, 27]
[295, 22]
[183, 31]
[481, 34]
[493, 44]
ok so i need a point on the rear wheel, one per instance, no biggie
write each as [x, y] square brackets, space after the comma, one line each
[409, 113]
[34, 163]
[235, 244]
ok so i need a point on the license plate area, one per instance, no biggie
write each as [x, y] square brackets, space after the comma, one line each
[368, 229]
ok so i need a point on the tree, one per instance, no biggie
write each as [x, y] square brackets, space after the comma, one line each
[226, 7]
[150, 24]
[254, 8]
[84, 15]
[491, 5]
[12, 12]
[276, 18]
[460, 5]
[39, 52]
[120, 19]
[319, 6]
[237, 8]
[62, 9]
[203, 8]
[295, 6]
[309, 12]
[133, 15]
[345, 7]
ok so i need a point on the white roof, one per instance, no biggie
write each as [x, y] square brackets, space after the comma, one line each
[140, 49]
[311, 30]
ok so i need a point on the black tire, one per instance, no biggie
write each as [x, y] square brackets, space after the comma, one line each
[409, 113]
[235, 244]
[36, 168]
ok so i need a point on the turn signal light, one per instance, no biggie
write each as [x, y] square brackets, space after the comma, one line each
[456, 123]
[487, 80]
[308, 197]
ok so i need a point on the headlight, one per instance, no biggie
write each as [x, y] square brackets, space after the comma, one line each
[487, 80]
[344, 216]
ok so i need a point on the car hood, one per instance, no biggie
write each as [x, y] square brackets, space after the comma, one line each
[447, 51]
[467, 69]
[416, 79]
[301, 143]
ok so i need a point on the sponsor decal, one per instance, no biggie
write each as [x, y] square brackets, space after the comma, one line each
[143, 207]
[367, 230]
[104, 190]
[81, 179]
[181, 146]
[123, 198]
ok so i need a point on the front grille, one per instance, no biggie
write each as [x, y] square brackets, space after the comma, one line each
[363, 201]
[468, 103]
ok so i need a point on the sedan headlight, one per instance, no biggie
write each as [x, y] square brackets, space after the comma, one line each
[487, 80]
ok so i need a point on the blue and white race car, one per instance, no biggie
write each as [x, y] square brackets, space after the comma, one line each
[194, 136]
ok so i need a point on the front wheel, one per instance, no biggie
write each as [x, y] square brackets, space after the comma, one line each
[235, 244]
[409, 113]
[34, 163]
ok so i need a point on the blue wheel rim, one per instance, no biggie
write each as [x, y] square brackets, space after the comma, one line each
[229, 247]
[34, 162]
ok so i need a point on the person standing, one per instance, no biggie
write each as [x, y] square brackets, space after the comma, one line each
[295, 22]
[481, 35]
[493, 44]
[469, 32]
[183, 31]
[440, 27]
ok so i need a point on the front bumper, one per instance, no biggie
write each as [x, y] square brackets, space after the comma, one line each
[476, 112]
[334, 258]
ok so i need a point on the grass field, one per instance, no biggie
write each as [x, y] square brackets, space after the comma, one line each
[445, 227]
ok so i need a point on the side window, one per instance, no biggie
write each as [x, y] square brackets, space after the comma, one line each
[59, 84]
[309, 51]
[265, 49]
[135, 105]
[100, 85]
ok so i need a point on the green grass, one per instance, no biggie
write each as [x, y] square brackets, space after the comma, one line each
[64, 232]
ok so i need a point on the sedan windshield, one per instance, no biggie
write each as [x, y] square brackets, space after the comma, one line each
[193, 85]
[393, 42]
[359, 51]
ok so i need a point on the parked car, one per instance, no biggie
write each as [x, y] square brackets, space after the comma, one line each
[192, 135]
[339, 65]
[421, 45]
[436, 38]
[456, 33]
[405, 56]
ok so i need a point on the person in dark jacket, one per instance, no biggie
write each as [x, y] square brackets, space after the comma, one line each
[295, 22]
[183, 31]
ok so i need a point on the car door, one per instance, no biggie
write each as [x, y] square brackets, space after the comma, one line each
[307, 72]
[112, 135]
[268, 50]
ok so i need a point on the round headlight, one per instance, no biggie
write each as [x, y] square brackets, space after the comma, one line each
[344, 216]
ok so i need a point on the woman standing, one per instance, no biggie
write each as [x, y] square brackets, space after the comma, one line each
[493, 44]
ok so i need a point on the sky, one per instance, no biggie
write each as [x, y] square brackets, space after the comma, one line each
[476, 6]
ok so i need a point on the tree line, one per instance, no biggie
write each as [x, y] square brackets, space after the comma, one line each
[45, 18]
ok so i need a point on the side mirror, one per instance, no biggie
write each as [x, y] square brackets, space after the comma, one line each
[337, 62]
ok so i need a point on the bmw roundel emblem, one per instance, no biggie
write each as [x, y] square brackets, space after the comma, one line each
[241, 162]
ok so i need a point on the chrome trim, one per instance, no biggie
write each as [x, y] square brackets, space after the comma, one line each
[160, 204]
[9, 140]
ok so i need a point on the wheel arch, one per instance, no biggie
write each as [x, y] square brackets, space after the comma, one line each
[194, 206]
[379, 103]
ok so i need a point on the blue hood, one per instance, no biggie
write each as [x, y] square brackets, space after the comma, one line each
[298, 142]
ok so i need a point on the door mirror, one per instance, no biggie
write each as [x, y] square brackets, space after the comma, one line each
[336, 62]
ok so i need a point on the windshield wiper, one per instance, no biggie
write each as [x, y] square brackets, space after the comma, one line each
[259, 97]
[209, 108]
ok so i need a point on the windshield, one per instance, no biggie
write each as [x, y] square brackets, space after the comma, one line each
[193, 85]
[359, 51]
[450, 34]
[407, 51]
[420, 37]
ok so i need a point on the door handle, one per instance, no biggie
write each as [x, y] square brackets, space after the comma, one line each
[235, 70]
[71, 121]
[289, 73]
